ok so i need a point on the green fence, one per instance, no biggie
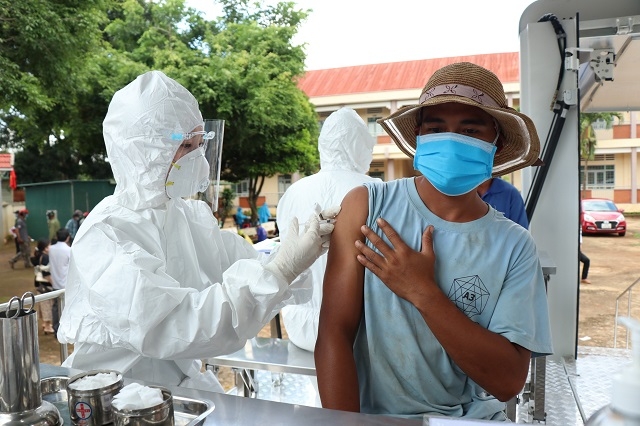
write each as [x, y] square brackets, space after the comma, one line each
[63, 197]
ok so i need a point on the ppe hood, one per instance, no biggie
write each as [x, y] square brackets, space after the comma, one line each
[345, 142]
[137, 132]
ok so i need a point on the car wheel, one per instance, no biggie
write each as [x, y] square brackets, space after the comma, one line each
[622, 234]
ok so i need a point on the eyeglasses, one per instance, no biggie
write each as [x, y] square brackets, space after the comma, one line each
[186, 136]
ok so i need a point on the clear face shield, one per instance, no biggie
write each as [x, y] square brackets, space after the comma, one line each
[195, 169]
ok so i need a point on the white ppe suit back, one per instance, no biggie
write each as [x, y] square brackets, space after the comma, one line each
[153, 284]
[346, 151]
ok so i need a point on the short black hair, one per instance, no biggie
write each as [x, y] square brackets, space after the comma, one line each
[42, 244]
[62, 234]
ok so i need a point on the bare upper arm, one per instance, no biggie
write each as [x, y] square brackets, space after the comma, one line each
[342, 298]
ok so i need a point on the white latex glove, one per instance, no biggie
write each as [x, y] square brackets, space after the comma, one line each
[298, 251]
[326, 219]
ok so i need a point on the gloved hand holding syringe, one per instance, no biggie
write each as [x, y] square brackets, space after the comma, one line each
[301, 248]
[322, 220]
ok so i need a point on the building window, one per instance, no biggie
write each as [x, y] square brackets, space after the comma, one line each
[379, 175]
[600, 177]
[375, 129]
[601, 125]
[242, 188]
[284, 182]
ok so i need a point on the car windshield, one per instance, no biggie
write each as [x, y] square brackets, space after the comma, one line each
[599, 206]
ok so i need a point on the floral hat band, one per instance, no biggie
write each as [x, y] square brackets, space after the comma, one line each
[458, 90]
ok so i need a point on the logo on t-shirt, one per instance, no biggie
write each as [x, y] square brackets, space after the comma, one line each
[469, 294]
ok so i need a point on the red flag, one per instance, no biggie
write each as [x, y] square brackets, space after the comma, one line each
[13, 180]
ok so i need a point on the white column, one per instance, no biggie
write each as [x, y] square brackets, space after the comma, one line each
[391, 170]
[634, 173]
[634, 158]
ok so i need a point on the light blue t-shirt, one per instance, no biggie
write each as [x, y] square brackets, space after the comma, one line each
[488, 267]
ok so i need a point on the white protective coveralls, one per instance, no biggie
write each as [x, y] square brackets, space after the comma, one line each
[153, 283]
[346, 149]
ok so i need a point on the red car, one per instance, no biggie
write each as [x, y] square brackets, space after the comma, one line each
[602, 216]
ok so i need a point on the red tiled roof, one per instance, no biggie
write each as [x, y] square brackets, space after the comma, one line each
[5, 161]
[399, 75]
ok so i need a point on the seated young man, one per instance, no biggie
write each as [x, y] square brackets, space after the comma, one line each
[440, 304]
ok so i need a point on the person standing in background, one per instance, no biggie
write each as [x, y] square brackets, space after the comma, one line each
[261, 233]
[23, 238]
[40, 262]
[505, 198]
[263, 213]
[242, 220]
[59, 257]
[53, 224]
[83, 216]
[14, 231]
[73, 224]
[586, 262]
[346, 151]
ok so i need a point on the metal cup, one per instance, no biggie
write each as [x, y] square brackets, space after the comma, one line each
[157, 415]
[19, 359]
[92, 407]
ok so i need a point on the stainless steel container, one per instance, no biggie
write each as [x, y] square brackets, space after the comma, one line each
[20, 361]
[20, 394]
[159, 415]
[92, 407]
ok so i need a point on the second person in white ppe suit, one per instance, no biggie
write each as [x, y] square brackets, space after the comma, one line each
[346, 151]
[153, 284]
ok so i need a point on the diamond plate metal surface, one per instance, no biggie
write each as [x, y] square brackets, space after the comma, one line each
[577, 388]
[574, 388]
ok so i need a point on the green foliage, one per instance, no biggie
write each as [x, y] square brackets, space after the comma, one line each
[67, 59]
[43, 44]
[44, 49]
[588, 140]
[271, 127]
[226, 203]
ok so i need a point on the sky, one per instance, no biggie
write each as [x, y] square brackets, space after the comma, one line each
[341, 33]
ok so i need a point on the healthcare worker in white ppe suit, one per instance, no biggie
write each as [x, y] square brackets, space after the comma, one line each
[346, 151]
[154, 285]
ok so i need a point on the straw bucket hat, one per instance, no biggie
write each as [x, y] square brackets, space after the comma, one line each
[470, 84]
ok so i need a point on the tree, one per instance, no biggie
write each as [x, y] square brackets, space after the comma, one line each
[43, 51]
[226, 204]
[271, 127]
[43, 45]
[588, 139]
[242, 68]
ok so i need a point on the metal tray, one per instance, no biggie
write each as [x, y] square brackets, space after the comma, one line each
[187, 411]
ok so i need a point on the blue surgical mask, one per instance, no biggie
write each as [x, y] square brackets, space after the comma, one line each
[455, 164]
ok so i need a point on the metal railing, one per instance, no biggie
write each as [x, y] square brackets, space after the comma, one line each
[628, 292]
[56, 294]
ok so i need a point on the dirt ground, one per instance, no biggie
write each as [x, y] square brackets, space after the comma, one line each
[614, 267]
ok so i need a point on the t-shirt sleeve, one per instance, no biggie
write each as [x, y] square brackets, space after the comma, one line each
[521, 314]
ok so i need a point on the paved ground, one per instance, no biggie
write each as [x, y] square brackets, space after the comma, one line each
[614, 266]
